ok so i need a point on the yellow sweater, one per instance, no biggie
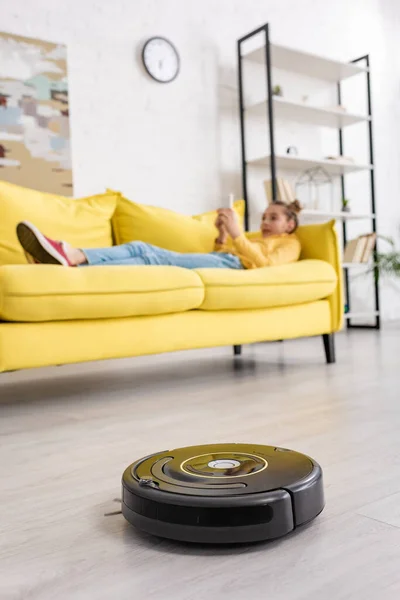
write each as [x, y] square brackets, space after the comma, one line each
[263, 252]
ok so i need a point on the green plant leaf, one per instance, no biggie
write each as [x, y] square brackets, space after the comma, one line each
[388, 263]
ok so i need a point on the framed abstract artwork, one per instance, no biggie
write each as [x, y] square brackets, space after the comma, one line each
[35, 149]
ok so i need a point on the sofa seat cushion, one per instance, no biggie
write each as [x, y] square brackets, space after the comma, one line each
[286, 285]
[35, 293]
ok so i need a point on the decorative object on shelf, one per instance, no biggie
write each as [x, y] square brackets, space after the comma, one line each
[314, 180]
[346, 205]
[284, 191]
[161, 59]
[337, 108]
[35, 145]
[292, 150]
[342, 159]
[360, 249]
[277, 90]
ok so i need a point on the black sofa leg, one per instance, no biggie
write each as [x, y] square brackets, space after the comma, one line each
[329, 346]
[237, 350]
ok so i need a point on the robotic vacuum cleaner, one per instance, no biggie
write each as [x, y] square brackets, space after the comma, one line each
[223, 493]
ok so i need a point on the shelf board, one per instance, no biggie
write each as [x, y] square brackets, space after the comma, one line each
[291, 162]
[340, 215]
[305, 63]
[361, 315]
[301, 112]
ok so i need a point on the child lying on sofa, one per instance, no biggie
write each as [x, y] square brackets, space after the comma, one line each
[277, 245]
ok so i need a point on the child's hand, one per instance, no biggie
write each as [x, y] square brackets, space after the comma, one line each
[223, 234]
[228, 220]
[218, 222]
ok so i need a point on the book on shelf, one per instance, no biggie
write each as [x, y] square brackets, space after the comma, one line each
[369, 247]
[354, 251]
[284, 191]
[360, 249]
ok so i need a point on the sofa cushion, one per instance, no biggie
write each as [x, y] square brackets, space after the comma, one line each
[296, 283]
[53, 293]
[85, 223]
[164, 228]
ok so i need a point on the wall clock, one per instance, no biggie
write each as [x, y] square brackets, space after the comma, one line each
[161, 59]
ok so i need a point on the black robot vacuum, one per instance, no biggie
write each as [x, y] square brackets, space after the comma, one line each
[223, 493]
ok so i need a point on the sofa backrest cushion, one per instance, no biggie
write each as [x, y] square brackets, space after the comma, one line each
[85, 223]
[165, 228]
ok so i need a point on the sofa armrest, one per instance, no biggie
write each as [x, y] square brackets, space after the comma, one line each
[320, 241]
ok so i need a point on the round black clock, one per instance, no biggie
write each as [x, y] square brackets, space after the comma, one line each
[161, 59]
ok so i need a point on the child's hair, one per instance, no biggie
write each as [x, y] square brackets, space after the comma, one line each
[291, 211]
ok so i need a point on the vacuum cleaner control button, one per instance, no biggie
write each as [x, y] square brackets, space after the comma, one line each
[226, 463]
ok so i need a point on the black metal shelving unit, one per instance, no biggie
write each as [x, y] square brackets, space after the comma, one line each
[265, 29]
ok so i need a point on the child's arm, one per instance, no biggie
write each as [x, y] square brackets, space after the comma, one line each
[286, 251]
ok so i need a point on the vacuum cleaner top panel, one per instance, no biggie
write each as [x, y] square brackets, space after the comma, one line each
[218, 470]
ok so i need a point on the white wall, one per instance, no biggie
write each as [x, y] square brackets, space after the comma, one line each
[177, 145]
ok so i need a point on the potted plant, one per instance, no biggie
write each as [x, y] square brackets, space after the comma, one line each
[346, 205]
[277, 90]
[387, 263]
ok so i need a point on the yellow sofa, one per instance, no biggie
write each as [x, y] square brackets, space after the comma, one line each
[51, 315]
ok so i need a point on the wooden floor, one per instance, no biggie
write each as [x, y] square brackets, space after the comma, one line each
[67, 433]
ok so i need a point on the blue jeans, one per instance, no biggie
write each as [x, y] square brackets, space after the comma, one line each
[139, 253]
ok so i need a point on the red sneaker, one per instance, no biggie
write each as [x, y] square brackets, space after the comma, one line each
[41, 248]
